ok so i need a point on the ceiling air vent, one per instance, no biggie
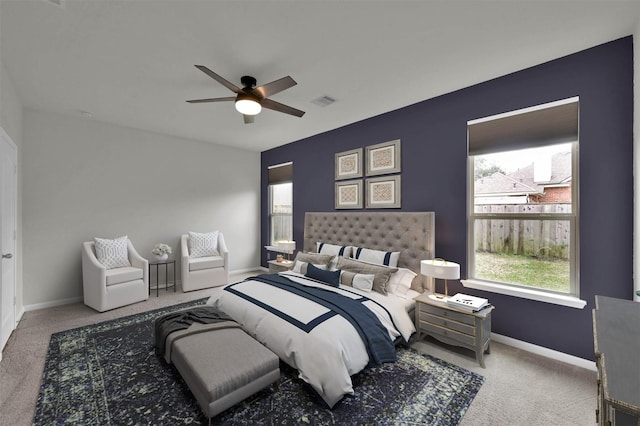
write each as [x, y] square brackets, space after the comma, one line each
[323, 101]
[59, 3]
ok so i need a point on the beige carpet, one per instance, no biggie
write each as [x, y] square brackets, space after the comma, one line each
[520, 388]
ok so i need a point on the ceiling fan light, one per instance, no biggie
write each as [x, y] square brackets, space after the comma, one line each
[248, 106]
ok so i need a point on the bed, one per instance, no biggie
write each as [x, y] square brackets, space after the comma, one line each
[329, 332]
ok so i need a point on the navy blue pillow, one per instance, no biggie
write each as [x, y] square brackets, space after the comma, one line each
[329, 277]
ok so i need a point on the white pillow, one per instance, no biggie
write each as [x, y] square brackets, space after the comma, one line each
[112, 253]
[203, 244]
[363, 281]
[326, 248]
[400, 281]
[379, 257]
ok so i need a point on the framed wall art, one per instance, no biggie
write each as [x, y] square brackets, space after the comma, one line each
[349, 164]
[383, 158]
[383, 192]
[348, 194]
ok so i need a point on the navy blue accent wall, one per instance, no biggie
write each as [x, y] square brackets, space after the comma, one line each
[434, 161]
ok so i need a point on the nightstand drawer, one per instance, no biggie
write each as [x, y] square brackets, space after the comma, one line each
[448, 333]
[448, 313]
[449, 323]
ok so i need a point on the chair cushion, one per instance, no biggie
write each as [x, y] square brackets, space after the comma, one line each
[123, 275]
[208, 262]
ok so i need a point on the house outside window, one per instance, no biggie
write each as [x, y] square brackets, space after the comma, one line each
[523, 216]
[281, 203]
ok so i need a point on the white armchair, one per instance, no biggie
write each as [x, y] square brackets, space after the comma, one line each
[106, 289]
[204, 272]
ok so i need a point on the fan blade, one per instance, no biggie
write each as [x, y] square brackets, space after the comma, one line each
[277, 106]
[200, 101]
[248, 119]
[274, 87]
[219, 79]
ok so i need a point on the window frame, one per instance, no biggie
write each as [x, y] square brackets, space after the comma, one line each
[571, 299]
[278, 174]
[272, 214]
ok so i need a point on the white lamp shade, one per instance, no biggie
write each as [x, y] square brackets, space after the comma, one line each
[441, 269]
[248, 106]
[288, 246]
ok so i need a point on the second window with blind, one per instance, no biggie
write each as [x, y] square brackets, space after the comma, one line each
[523, 189]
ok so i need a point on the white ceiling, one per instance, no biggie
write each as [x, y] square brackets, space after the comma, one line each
[131, 62]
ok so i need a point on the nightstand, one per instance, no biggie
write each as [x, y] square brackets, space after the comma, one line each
[454, 327]
[275, 266]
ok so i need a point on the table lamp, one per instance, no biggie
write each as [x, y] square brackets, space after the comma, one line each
[287, 247]
[440, 269]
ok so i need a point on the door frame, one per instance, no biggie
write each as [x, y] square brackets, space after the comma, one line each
[12, 150]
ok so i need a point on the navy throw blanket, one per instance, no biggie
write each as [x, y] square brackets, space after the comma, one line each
[181, 320]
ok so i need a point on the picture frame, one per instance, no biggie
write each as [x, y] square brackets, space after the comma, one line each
[348, 164]
[384, 192]
[383, 158]
[348, 194]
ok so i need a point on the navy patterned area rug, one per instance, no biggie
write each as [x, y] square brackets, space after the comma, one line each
[109, 374]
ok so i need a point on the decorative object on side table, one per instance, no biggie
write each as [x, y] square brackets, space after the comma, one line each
[442, 269]
[161, 251]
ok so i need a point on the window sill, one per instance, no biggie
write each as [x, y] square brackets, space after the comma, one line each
[525, 293]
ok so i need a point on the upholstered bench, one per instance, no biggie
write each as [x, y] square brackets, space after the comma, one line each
[221, 364]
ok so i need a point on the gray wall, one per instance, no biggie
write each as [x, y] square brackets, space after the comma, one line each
[85, 179]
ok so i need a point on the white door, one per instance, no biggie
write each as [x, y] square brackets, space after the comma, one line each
[8, 197]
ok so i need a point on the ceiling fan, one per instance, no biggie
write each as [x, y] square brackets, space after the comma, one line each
[250, 99]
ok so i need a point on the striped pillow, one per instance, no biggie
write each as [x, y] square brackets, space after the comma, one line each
[333, 249]
[379, 257]
[382, 273]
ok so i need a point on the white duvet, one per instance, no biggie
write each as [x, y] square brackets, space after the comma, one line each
[327, 356]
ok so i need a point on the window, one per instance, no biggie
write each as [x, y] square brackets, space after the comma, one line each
[281, 203]
[523, 218]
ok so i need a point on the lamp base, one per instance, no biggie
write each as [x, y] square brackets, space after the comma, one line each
[438, 297]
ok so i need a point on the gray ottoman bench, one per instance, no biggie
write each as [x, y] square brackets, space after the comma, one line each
[221, 364]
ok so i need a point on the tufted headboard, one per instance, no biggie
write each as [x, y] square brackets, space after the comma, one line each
[410, 233]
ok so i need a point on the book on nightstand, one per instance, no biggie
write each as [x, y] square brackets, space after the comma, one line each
[467, 303]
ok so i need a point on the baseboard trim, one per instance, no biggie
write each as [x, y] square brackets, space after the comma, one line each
[52, 304]
[19, 316]
[545, 352]
[244, 271]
